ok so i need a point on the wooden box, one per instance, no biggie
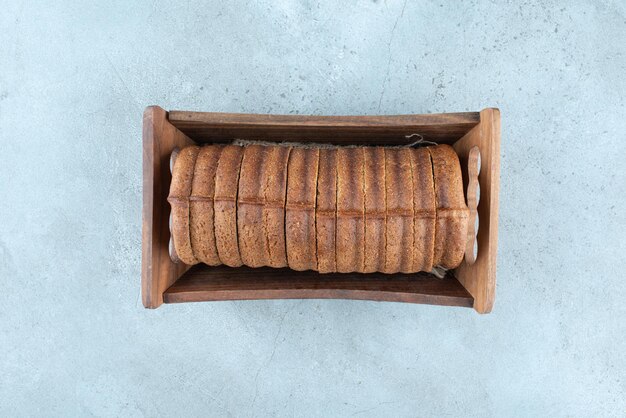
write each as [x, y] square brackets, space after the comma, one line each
[470, 285]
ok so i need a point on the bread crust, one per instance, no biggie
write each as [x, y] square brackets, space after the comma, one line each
[452, 212]
[225, 205]
[326, 211]
[353, 209]
[300, 233]
[350, 241]
[201, 209]
[180, 190]
[399, 225]
[250, 230]
[274, 183]
[424, 209]
[375, 209]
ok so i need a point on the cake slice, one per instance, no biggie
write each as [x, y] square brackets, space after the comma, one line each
[399, 226]
[375, 214]
[424, 210]
[274, 183]
[201, 210]
[225, 205]
[350, 242]
[325, 211]
[250, 230]
[452, 212]
[180, 190]
[300, 209]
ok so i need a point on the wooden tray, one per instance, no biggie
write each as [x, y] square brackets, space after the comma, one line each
[164, 281]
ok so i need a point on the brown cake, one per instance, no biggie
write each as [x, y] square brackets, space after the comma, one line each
[180, 190]
[325, 213]
[300, 209]
[201, 213]
[399, 226]
[250, 229]
[350, 210]
[452, 212]
[225, 205]
[375, 211]
[274, 183]
[424, 209]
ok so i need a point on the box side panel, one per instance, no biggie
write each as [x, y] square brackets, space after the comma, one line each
[158, 272]
[339, 130]
[479, 278]
[204, 283]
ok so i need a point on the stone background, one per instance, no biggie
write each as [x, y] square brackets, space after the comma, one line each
[74, 80]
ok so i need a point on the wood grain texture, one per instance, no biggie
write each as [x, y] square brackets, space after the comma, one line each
[480, 277]
[202, 283]
[340, 130]
[158, 271]
[471, 188]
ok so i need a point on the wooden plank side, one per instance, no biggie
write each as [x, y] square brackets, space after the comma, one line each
[480, 277]
[220, 127]
[203, 283]
[158, 272]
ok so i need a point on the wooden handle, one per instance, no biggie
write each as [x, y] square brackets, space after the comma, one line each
[473, 197]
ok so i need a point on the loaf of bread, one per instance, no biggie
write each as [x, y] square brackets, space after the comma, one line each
[329, 209]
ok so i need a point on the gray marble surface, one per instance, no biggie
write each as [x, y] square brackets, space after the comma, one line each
[74, 80]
